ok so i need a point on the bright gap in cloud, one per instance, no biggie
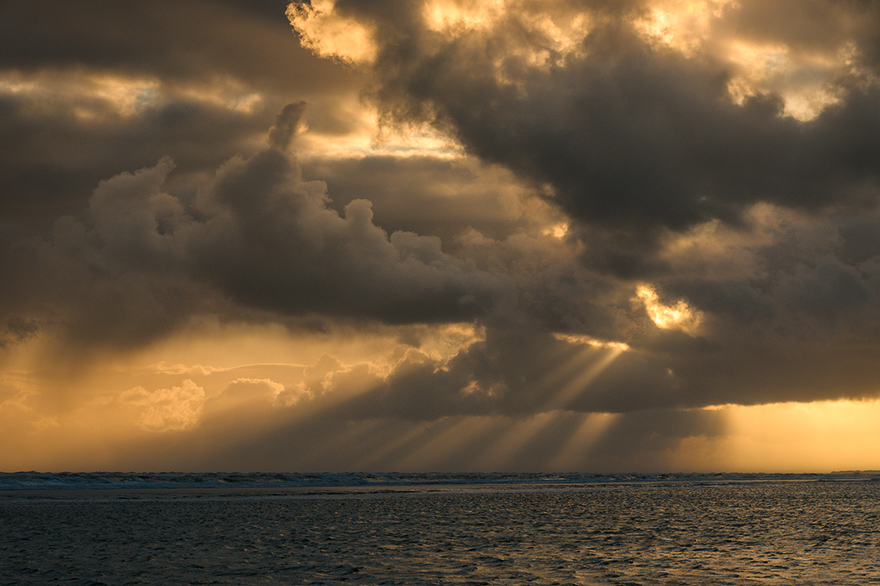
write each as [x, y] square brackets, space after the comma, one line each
[591, 341]
[802, 78]
[822, 436]
[682, 25]
[680, 315]
[368, 140]
[91, 96]
[327, 33]
[455, 15]
[693, 28]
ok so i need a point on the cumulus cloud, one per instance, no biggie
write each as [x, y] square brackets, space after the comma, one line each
[174, 409]
[243, 398]
[257, 238]
[267, 238]
[439, 196]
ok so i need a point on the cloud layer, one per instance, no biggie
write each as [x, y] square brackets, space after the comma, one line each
[630, 135]
[519, 225]
[723, 160]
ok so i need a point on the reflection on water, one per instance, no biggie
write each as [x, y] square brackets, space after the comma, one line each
[683, 533]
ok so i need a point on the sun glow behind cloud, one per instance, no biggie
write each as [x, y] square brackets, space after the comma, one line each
[680, 315]
[556, 34]
[367, 138]
[696, 29]
[681, 25]
[454, 15]
[97, 95]
[796, 437]
[801, 77]
[194, 402]
[328, 33]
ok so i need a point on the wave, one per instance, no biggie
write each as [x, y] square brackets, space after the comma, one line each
[162, 480]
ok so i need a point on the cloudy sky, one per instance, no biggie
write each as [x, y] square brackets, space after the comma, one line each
[591, 235]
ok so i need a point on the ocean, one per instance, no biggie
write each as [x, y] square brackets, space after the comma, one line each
[419, 529]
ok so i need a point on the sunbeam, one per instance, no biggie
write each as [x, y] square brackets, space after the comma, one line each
[571, 455]
[596, 360]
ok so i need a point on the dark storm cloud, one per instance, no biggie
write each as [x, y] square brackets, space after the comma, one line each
[632, 138]
[61, 130]
[53, 289]
[641, 145]
[262, 236]
[517, 370]
[803, 333]
[52, 160]
[177, 41]
[800, 326]
[18, 330]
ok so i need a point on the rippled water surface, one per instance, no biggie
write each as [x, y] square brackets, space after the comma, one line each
[769, 532]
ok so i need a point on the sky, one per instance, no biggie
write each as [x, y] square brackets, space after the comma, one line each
[388, 235]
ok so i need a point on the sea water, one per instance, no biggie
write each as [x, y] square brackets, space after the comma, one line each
[438, 529]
